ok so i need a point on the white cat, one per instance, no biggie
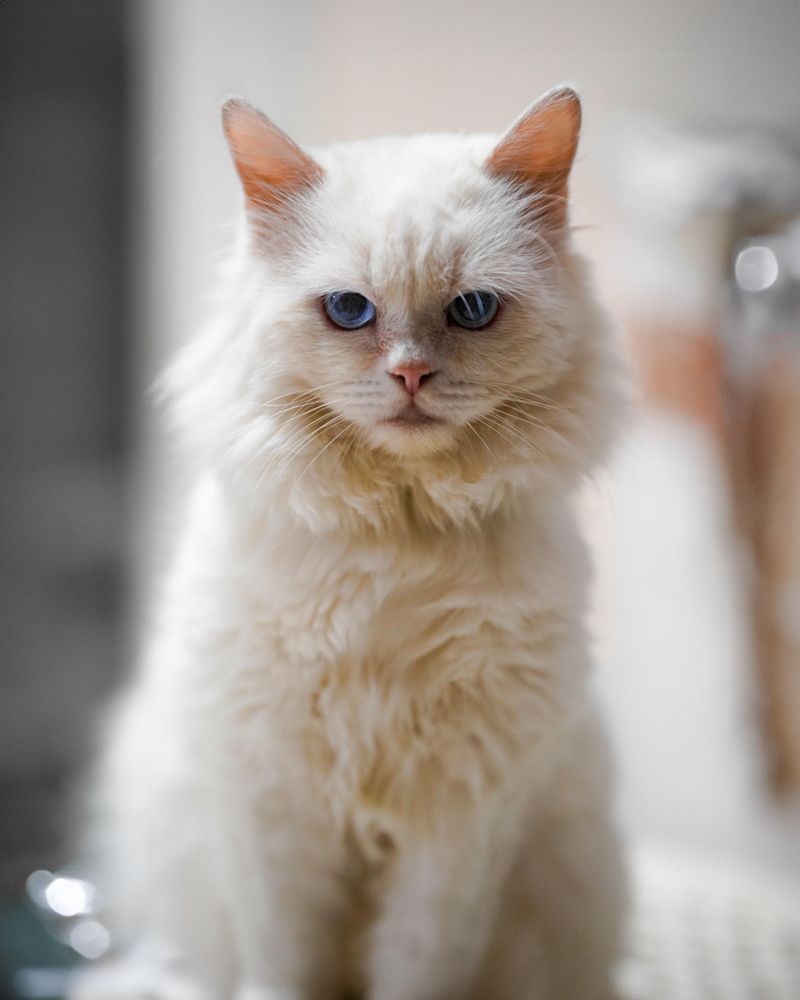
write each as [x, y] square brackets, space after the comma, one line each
[360, 758]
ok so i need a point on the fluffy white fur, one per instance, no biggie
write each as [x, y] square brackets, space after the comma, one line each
[360, 758]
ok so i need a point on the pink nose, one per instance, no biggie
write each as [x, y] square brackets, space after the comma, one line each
[412, 375]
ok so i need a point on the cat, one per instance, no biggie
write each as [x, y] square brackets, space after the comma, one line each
[360, 757]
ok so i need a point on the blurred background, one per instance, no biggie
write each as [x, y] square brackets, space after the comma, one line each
[117, 197]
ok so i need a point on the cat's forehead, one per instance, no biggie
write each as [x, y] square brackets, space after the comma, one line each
[415, 212]
[388, 171]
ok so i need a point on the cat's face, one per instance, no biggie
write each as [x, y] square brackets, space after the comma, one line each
[417, 275]
[412, 297]
[420, 295]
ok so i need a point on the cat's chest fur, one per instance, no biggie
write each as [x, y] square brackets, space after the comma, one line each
[388, 676]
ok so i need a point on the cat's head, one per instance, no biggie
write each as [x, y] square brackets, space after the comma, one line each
[404, 310]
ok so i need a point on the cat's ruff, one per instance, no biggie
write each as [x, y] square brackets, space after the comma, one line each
[360, 755]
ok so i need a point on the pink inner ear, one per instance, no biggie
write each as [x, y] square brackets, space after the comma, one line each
[270, 165]
[539, 148]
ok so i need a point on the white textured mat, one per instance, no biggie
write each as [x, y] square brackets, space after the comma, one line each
[706, 931]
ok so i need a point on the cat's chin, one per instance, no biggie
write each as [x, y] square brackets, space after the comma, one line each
[412, 438]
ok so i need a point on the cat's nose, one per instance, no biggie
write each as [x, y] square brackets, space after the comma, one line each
[412, 375]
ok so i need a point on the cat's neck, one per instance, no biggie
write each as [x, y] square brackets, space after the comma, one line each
[274, 557]
[379, 501]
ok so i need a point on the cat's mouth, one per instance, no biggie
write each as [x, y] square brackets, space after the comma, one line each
[411, 417]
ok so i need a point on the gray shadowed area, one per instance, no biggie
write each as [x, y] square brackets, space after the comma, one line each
[63, 87]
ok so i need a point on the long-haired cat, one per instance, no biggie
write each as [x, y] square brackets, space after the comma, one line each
[360, 758]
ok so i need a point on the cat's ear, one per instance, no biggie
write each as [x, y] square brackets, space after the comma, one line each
[271, 167]
[539, 148]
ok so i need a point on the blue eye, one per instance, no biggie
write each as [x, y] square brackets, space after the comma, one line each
[472, 310]
[350, 310]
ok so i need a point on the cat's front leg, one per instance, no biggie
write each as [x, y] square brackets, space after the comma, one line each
[287, 907]
[437, 912]
[562, 909]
